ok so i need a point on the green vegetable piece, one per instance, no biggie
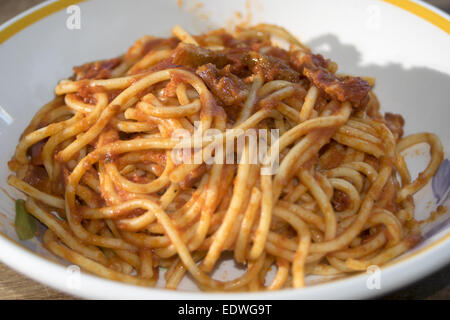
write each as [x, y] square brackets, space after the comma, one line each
[25, 223]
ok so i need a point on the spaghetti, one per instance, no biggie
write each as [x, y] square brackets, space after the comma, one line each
[98, 168]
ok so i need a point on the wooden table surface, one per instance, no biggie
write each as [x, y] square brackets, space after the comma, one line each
[14, 285]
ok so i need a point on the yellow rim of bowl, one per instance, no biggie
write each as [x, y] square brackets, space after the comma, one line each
[34, 16]
[427, 14]
[20, 24]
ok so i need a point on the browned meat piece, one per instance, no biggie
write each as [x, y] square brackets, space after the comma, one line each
[236, 61]
[37, 177]
[353, 89]
[231, 42]
[300, 59]
[395, 123]
[276, 52]
[97, 69]
[190, 55]
[340, 201]
[271, 68]
[229, 88]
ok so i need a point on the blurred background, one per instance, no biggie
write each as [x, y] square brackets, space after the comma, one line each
[15, 286]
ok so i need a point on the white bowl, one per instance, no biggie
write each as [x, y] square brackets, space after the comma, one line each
[405, 46]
